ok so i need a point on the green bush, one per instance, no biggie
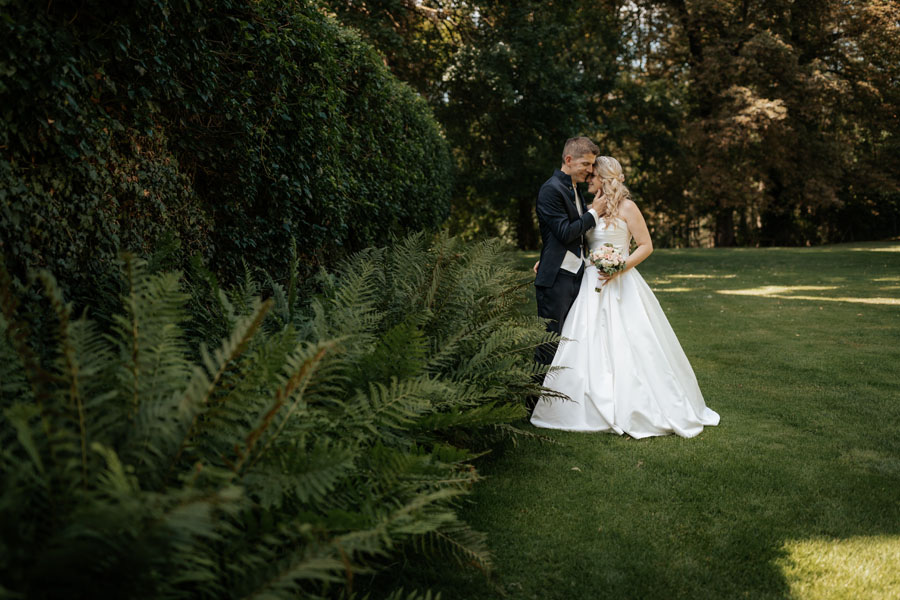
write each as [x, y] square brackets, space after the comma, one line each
[310, 445]
[231, 126]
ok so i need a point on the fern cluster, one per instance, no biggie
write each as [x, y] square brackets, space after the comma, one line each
[310, 444]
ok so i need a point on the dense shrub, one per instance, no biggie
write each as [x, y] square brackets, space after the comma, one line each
[314, 443]
[235, 125]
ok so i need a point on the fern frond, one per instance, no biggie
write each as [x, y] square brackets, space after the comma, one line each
[302, 368]
[19, 417]
[309, 475]
[281, 307]
[209, 321]
[204, 381]
[113, 479]
[296, 572]
[243, 297]
[402, 594]
[317, 441]
[151, 369]
[459, 541]
[68, 369]
[400, 352]
[400, 402]
[421, 514]
[474, 418]
[352, 308]
[514, 433]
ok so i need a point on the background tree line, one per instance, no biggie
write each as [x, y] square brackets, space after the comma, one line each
[740, 122]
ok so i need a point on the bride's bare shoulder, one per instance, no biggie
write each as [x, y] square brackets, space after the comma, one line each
[628, 206]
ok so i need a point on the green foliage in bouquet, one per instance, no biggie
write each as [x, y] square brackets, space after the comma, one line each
[306, 447]
[232, 126]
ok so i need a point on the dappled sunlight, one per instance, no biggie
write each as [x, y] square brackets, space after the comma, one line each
[702, 276]
[857, 567]
[785, 292]
[769, 290]
[887, 279]
[695, 276]
[883, 249]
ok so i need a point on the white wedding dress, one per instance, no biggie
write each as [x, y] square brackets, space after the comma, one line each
[619, 361]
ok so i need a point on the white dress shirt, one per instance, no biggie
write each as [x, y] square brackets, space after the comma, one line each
[571, 262]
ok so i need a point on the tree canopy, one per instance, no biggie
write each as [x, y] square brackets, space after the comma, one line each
[739, 122]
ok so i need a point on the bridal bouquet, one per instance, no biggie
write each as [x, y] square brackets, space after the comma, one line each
[608, 259]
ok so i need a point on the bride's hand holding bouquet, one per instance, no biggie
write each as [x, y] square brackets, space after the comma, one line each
[610, 261]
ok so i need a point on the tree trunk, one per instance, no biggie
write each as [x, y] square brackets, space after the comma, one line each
[526, 231]
[777, 219]
[725, 227]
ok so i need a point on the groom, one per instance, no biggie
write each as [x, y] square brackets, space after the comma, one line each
[564, 219]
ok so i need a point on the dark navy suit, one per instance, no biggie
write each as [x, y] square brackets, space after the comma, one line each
[562, 230]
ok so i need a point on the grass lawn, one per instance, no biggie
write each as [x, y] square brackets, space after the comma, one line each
[796, 494]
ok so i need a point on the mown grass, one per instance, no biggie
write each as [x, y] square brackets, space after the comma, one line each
[795, 494]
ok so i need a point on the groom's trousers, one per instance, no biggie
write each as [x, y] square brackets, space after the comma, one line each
[554, 303]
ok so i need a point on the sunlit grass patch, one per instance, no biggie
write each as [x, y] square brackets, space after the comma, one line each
[769, 290]
[702, 276]
[786, 292]
[858, 567]
[886, 301]
[885, 249]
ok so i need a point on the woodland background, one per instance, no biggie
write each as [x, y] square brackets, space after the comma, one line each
[738, 122]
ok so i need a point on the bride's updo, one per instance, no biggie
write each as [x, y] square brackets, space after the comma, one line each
[612, 185]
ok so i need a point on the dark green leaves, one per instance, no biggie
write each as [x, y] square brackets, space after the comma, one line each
[313, 441]
[236, 129]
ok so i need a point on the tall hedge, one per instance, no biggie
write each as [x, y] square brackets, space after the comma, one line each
[232, 125]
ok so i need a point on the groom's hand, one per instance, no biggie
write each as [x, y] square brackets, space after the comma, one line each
[536, 266]
[598, 204]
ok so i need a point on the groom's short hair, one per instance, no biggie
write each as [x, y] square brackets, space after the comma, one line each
[579, 146]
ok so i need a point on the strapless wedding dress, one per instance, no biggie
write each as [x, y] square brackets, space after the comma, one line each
[619, 361]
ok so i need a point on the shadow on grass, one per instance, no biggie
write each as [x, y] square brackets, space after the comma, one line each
[795, 494]
[752, 509]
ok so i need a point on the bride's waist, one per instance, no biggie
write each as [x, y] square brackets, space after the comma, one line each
[622, 247]
[587, 259]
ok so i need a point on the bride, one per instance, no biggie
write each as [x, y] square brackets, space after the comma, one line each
[620, 362]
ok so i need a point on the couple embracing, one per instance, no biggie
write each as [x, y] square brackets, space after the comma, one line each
[618, 362]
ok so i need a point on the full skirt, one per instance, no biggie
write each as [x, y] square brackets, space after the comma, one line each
[621, 366]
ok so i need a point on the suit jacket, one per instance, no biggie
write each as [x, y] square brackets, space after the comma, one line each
[561, 228]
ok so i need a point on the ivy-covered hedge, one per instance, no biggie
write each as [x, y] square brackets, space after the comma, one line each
[235, 125]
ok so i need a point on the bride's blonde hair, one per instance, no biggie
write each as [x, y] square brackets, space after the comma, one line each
[612, 185]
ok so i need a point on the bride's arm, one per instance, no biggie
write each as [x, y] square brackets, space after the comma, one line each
[638, 228]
